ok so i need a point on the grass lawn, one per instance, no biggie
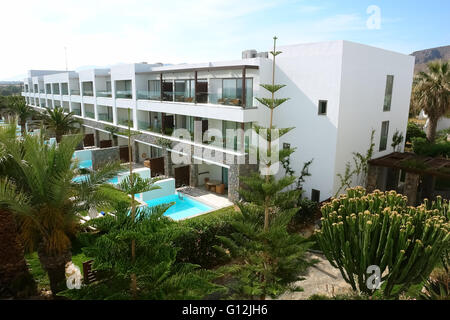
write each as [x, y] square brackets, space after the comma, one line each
[39, 274]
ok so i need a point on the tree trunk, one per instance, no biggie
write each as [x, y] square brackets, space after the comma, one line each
[431, 129]
[55, 266]
[15, 278]
[22, 126]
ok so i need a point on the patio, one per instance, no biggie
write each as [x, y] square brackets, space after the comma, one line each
[209, 198]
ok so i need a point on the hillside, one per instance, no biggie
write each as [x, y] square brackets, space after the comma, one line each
[427, 55]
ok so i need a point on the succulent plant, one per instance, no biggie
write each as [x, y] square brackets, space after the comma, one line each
[379, 229]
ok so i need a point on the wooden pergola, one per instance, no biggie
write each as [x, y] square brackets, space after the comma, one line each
[438, 167]
[416, 168]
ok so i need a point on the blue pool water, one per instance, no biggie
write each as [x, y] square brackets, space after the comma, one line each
[85, 164]
[183, 208]
[80, 178]
[83, 177]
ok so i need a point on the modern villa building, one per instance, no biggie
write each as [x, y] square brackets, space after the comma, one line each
[339, 91]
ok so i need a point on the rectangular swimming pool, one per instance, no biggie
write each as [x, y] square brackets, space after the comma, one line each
[183, 208]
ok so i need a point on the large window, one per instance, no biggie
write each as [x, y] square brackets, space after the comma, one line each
[154, 90]
[232, 92]
[88, 88]
[388, 93]
[184, 90]
[48, 88]
[55, 87]
[384, 135]
[64, 88]
[123, 89]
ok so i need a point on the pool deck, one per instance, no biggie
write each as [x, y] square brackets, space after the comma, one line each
[213, 200]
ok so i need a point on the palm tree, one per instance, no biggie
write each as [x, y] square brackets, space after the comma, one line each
[59, 122]
[15, 278]
[47, 201]
[18, 106]
[431, 92]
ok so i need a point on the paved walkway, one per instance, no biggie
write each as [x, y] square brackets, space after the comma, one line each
[322, 278]
[211, 199]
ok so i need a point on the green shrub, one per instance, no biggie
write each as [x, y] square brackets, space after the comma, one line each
[306, 213]
[414, 131]
[422, 147]
[361, 230]
[197, 236]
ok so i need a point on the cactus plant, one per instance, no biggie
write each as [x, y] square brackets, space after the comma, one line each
[360, 230]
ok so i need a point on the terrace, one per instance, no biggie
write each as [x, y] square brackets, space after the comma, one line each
[232, 86]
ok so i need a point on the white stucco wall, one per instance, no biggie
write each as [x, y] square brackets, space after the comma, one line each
[364, 72]
[311, 72]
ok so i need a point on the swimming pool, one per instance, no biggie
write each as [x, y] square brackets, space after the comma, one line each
[183, 208]
[85, 164]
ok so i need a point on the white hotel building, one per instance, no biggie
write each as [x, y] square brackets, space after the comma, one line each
[339, 91]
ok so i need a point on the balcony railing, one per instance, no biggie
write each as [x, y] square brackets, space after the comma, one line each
[202, 97]
[75, 92]
[105, 117]
[124, 122]
[105, 94]
[89, 114]
[88, 93]
[125, 94]
[76, 112]
[149, 95]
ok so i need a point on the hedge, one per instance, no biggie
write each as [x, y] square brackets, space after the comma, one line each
[197, 236]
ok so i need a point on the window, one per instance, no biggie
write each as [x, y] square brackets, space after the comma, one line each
[154, 88]
[65, 88]
[88, 88]
[388, 93]
[315, 195]
[48, 88]
[286, 146]
[384, 135]
[323, 107]
[232, 91]
[55, 88]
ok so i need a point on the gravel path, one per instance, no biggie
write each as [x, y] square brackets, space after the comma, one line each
[322, 278]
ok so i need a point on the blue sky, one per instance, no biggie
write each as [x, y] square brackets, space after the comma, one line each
[105, 32]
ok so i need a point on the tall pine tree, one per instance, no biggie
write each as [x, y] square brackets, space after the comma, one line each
[268, 259]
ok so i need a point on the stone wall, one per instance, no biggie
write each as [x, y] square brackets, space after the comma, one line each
[102, 156]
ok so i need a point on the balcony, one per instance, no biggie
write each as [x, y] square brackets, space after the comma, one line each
[104, 94]
[75, 92]
[88, 93]
[124, 94]
[76, 112]
[105, 113]
[148, 95]
[124, 122]
[89, 114]
[219, 91]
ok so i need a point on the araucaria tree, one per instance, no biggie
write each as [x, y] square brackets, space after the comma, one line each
[431, 92]
[269, 258]
[380, 231]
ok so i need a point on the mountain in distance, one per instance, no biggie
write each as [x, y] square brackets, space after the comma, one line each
[428, 55]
